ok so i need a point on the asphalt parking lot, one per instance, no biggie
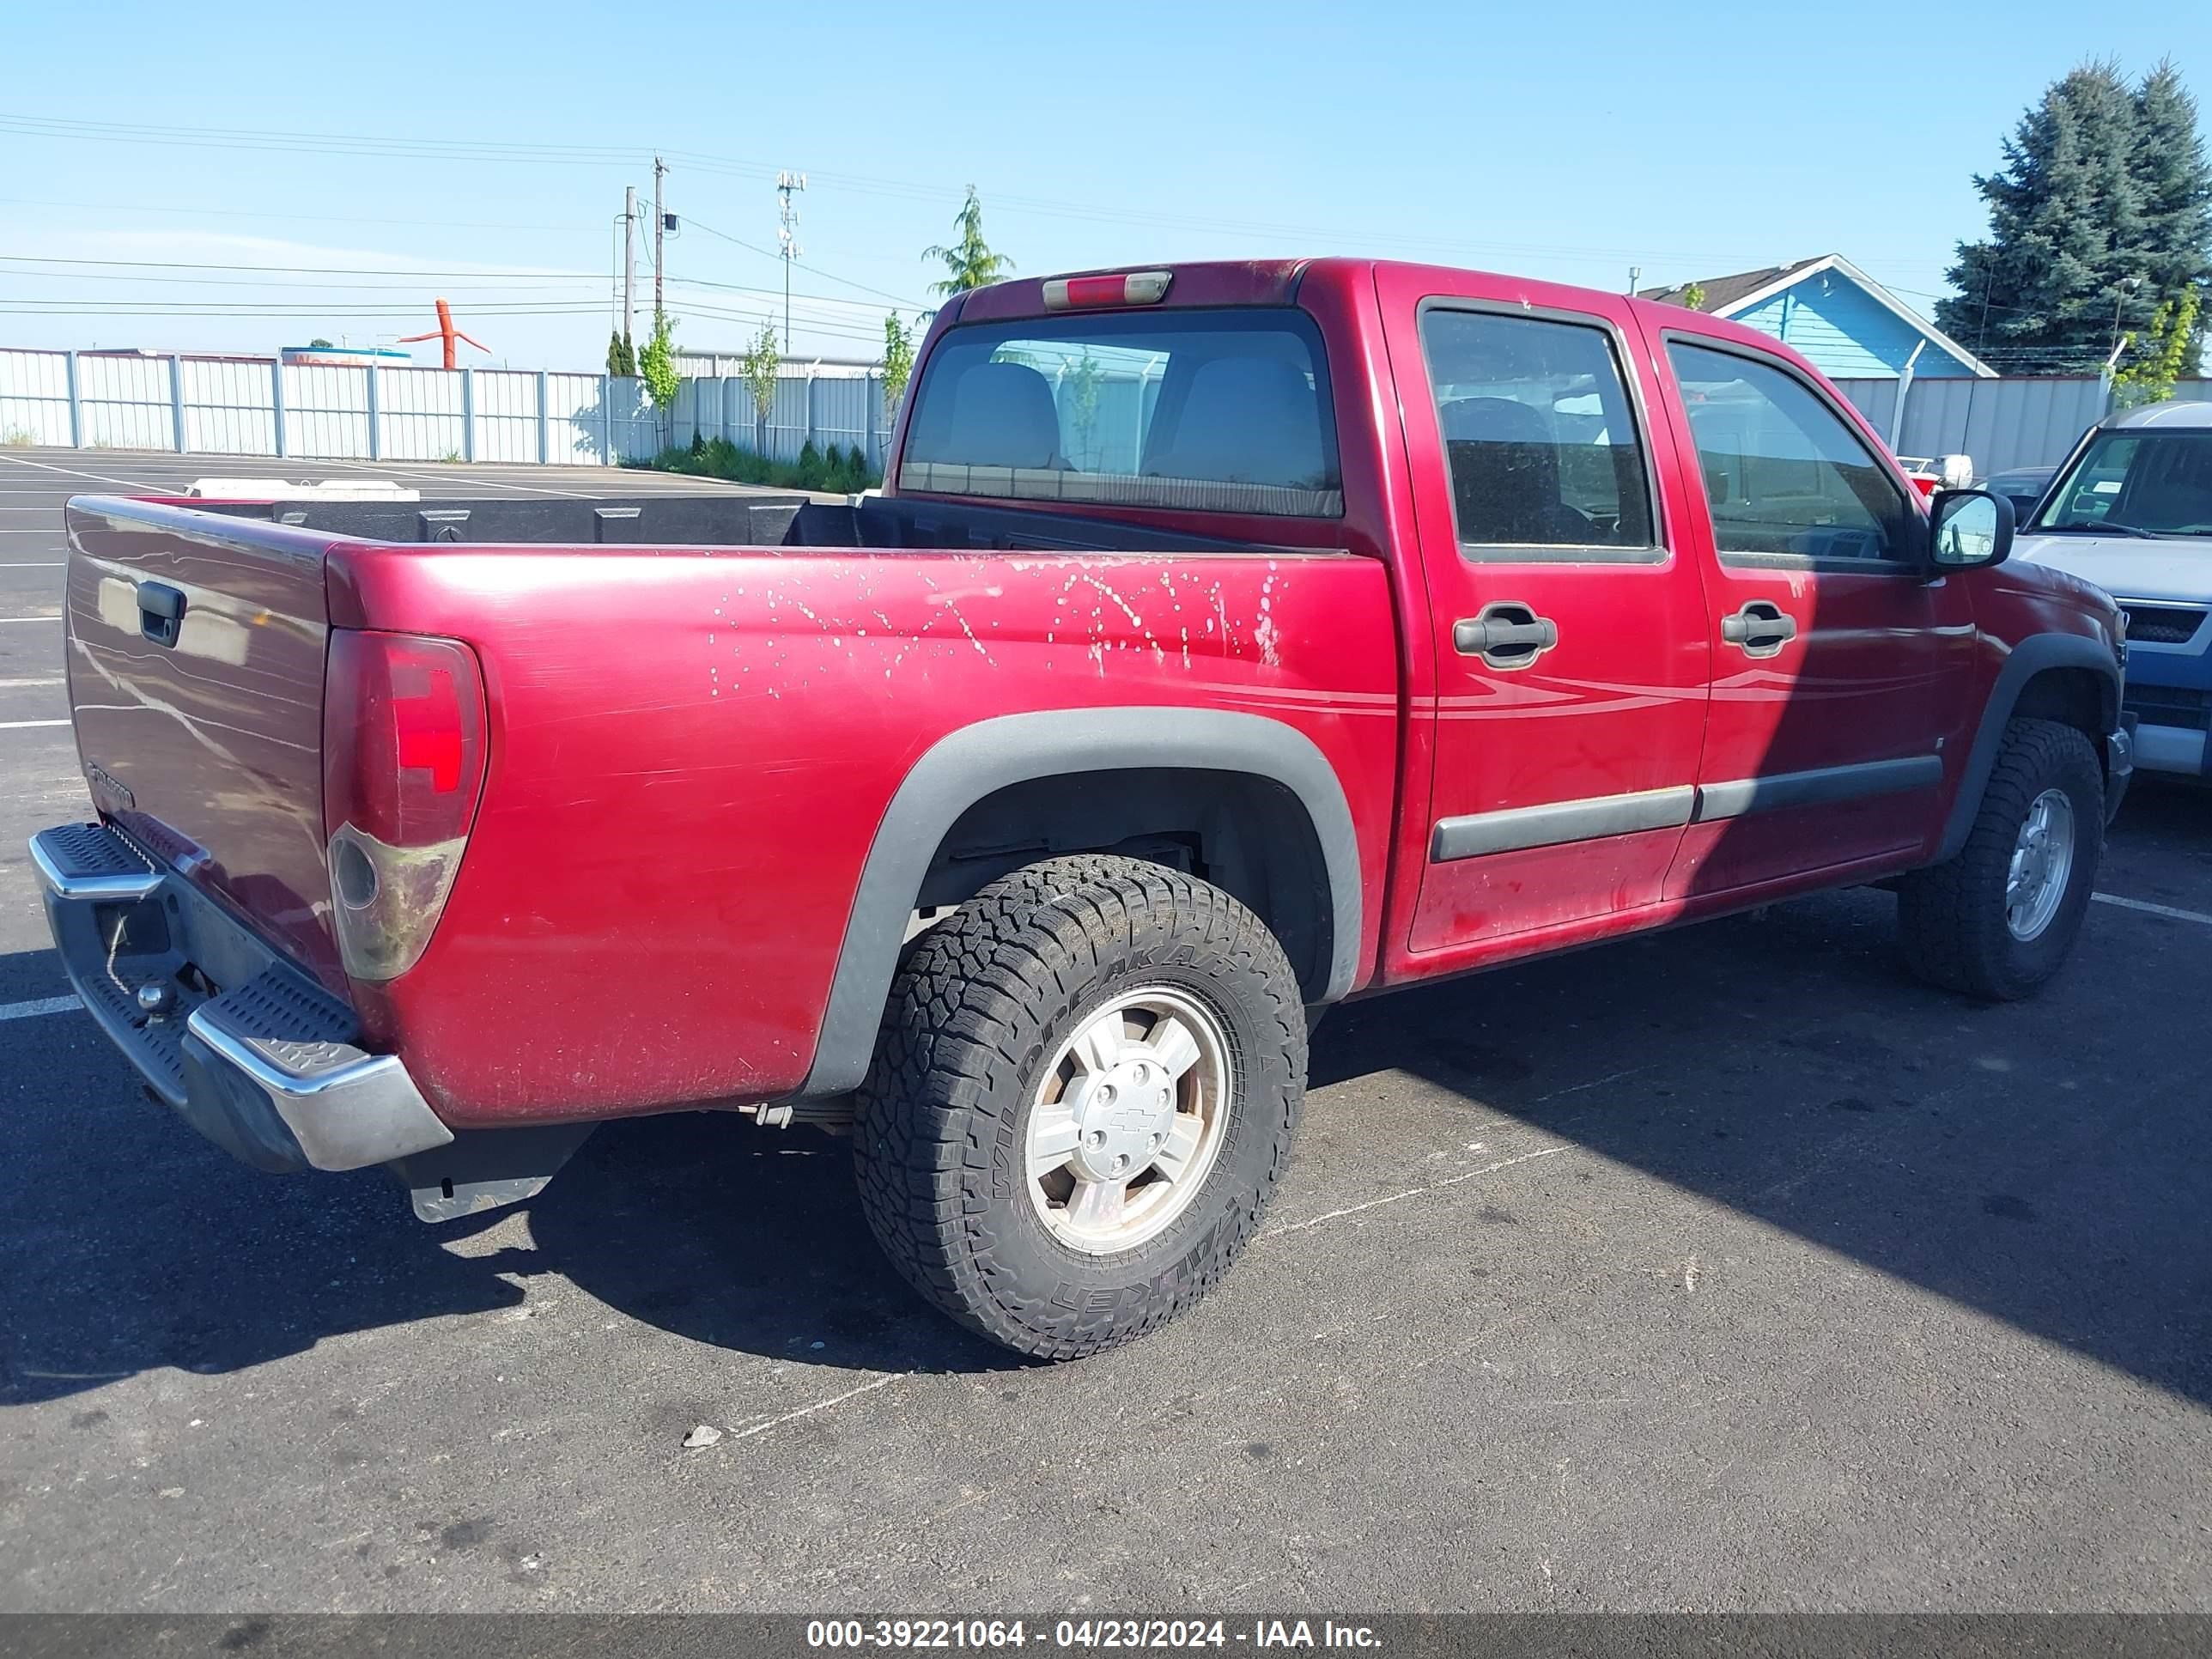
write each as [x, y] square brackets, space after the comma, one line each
[1724, 1269]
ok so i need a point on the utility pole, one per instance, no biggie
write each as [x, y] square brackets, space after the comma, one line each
[787, 236]
[629, 261]
[2127, 285]
[659, 224]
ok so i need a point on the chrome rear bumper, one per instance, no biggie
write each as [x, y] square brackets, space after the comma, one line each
[246, 1047]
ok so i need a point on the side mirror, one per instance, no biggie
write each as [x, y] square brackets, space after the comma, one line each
[1968, 528]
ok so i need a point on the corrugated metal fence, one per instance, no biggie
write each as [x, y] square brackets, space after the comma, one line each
[255, 406]
[2001, 423]
[258, 406]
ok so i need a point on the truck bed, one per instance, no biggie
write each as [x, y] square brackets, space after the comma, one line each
[698, 710]
[721, 519]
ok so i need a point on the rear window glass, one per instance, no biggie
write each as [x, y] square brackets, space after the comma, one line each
[1217, 411]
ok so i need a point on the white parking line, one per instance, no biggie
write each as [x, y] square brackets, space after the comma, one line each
[1415, 1192]
[5, 620]
[2150, 909]
[32, 564]
[43, 1006]
[72, 472]
[25, 726]
[379, 469]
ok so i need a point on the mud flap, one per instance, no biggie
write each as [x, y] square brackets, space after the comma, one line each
[484, 1169]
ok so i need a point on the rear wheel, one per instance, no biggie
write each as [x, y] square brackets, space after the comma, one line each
[1083, 1095]
[1998, 920]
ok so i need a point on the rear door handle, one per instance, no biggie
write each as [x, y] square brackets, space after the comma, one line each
[1506, 634]
[1759, 630]
[160, 612]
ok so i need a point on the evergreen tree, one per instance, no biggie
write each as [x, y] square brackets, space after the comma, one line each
[2100, 223]
[622, 355]
[2066, 228]
[969, 262]
[2174, 181]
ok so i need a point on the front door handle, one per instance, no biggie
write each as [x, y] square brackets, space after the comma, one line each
[1759, 630]
[1506, 634]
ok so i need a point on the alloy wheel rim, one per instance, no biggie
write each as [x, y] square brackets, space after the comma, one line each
[2042, 865]
[1128, 1119]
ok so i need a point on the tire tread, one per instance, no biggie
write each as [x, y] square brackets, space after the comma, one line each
[1954, 934]
[961, 1034]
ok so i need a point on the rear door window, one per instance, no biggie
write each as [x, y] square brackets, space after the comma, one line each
[1221, 411]
[1539, 432]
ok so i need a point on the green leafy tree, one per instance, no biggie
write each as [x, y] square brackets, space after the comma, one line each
[622, 355]
[760, 368]
[656, 364]
[319, 344]
[898, 363]
[2163, 356]
[1693, 297]
[1079, 389]
[969, 262]
[2096, 218]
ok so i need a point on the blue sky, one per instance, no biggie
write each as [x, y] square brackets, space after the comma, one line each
[1568, 141]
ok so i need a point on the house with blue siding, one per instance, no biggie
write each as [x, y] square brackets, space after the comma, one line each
[1847, 325]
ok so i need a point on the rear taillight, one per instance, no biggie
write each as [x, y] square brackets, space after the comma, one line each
[403, 764]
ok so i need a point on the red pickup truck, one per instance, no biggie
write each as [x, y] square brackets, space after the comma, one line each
[1227, 640]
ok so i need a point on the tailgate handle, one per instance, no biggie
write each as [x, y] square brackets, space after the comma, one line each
[160, 612]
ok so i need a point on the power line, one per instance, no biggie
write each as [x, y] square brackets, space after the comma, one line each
[30, 307]
[490, 279]
[289, 270]
[831, 276]
[286, 216]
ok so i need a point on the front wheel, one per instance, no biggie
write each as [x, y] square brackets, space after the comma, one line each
[1999, 919]
[1083, 1095]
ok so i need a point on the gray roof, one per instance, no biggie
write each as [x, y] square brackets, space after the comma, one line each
[2188, 415]
[1721, 292]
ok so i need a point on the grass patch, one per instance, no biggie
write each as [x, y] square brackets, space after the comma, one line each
[833, 471]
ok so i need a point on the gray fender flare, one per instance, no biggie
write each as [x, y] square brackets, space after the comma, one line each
[976, 761]
[2031, 657]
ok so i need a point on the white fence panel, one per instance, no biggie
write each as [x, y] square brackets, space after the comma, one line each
[229, 406]
[125, 403]
[506, 416]
[34, 400]
[326, 411]
[419, 415]
[584, 418]
[840, 412]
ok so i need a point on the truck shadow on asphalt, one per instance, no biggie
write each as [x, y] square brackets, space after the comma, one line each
[2035, 1163]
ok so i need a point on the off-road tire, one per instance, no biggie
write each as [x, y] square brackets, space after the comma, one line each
[980, 1003]
[1952, 917]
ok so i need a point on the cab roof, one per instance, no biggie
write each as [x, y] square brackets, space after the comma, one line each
[2186, 416]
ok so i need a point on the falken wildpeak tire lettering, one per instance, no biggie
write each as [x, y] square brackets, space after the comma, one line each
[982, 1004]
[1952, 918]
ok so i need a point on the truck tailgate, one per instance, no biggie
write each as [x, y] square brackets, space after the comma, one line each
[195, 663]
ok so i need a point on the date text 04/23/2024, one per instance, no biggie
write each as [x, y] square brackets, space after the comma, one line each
[989, 1635]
